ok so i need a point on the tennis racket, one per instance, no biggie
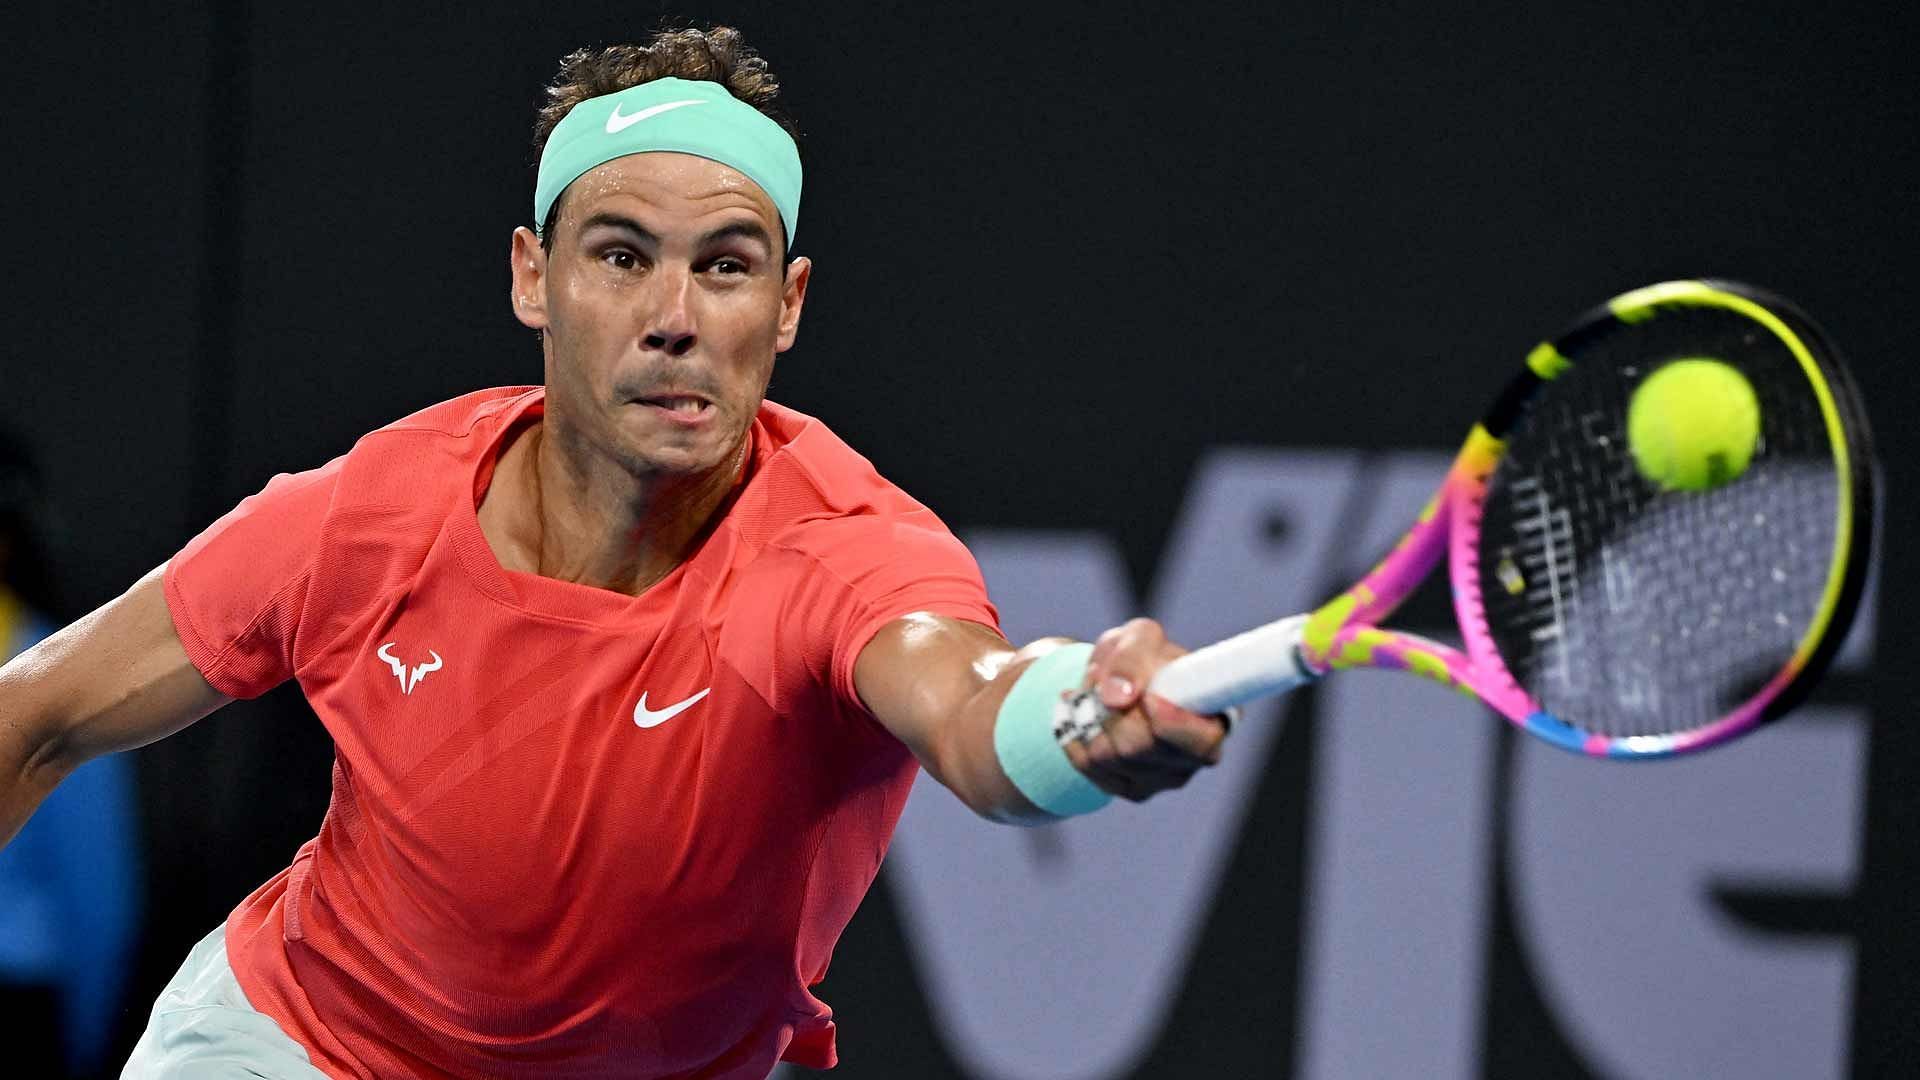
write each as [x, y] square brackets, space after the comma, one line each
[1599, 610]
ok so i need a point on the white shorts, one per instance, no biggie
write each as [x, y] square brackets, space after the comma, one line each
[202, 1027]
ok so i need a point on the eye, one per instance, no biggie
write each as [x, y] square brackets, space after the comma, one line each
[620, 259]
[727, 265]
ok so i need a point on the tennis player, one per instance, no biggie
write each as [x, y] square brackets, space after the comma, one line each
[627, 674]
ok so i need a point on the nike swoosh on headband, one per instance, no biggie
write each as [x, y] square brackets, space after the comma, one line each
[617, 123]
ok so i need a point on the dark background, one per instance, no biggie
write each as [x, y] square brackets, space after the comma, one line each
[1058, 253]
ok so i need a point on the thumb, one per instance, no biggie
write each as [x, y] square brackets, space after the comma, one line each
[1118, 690]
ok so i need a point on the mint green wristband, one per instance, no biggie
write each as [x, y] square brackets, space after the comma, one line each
[1023, 735]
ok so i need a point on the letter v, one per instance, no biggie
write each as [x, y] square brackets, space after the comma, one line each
[1070, 968]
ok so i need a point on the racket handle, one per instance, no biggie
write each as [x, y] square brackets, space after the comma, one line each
[1264, 660]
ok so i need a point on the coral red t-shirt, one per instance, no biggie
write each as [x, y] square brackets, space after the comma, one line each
[573, 833]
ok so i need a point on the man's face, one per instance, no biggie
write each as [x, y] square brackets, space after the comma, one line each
[663, 302]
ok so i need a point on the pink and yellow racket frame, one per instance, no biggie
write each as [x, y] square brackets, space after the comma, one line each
[1345, 632]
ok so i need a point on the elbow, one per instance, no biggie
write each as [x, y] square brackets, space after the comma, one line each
[35, 754]
[30, 768]
[50, 760]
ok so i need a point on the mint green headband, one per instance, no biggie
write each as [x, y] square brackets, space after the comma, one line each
[699, 118]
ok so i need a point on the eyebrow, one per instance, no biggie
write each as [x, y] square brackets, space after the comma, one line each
[618, 221]
[739, 230]
[743, 230]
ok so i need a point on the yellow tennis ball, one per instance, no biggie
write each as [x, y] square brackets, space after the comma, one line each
[1692, 424]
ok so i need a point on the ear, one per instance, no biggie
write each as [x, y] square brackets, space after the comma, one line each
[792, 299]
[527, 263]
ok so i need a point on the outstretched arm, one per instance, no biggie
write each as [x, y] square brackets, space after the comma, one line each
[938, 685]
[116, 679]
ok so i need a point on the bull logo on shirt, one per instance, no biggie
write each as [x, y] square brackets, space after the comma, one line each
[409, 678]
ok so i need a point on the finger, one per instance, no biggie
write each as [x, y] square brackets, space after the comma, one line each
[1136, 655]
[1133, 787]
[1104, 646]
[1098, 661]
[1158, 774]
[1076, 752]
[1112, 779]
[1162, 767]
[1195, 735]
[1103, 775]
[1118, 692]
[1131, 734]
[1100, 748]
[1137, 786]
[1152, 763]
[1130, 636]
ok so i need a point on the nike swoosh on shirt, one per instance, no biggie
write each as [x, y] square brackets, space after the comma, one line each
[617, 123]
[646, 717]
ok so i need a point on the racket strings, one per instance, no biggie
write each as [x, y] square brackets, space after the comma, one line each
[1628, 610]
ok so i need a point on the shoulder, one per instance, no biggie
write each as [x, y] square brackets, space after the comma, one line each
[828, 552]
[460, 417]
[802, 453]
[814, 494]
[821, 527]
[815, 476]
[390, 491]
[459, 425]
[429, 449]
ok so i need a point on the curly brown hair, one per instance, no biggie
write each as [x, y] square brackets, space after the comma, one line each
[719, 55]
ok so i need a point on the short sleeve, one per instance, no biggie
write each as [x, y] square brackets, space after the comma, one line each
[870, 570]
[236, 591]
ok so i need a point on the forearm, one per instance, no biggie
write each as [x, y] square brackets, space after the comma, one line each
[969, 764]
[980, 715]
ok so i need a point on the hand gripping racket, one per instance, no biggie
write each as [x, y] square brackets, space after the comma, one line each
[1601, 611]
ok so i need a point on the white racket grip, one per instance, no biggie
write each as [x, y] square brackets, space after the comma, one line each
[1264, 660]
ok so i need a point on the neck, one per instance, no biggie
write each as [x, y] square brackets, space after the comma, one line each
[589, 521]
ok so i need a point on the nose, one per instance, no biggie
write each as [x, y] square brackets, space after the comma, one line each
[669, 325]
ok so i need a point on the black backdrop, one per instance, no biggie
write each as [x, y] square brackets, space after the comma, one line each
[1059, 252]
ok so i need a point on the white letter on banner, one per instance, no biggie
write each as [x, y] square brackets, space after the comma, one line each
[1394, 947]
[1055, 953]
[1614, 869]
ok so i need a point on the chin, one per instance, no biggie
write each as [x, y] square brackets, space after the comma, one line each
[646, 444]
[671, 457]
[666, 461]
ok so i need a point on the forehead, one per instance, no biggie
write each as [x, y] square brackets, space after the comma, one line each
[673, 186]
